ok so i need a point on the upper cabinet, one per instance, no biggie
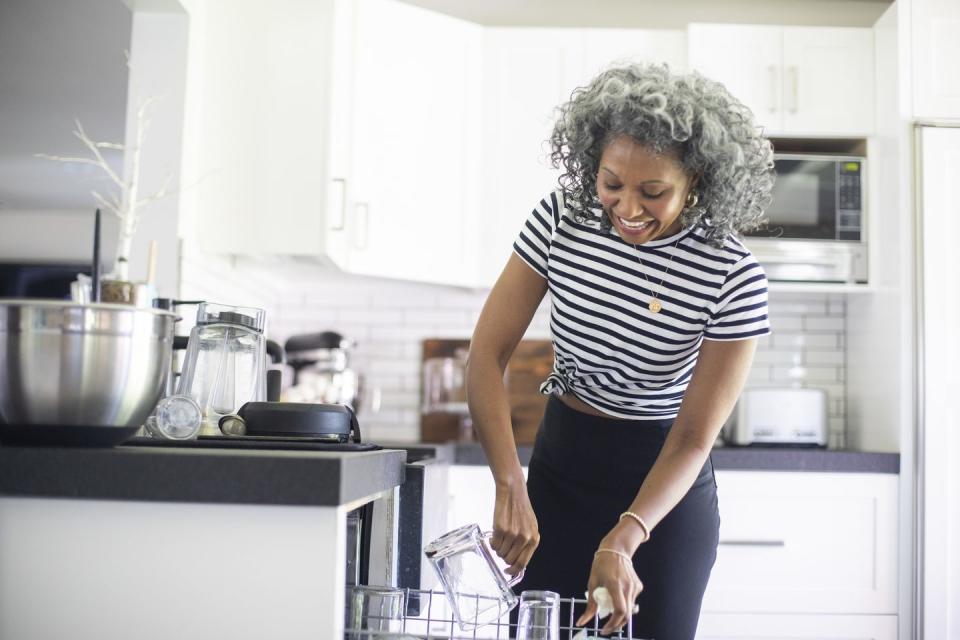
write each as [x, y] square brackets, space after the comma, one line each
[416, 130]
[258, 101]
[342, 131]
[805, 81]
[935, 56]
[528, 73]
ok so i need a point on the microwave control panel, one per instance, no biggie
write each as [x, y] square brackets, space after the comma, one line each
[849, 200]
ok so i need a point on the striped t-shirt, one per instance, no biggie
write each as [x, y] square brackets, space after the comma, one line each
[610, 350]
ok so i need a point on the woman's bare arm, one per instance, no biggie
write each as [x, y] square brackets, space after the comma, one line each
[504, 319]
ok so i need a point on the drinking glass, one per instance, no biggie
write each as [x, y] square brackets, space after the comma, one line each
[539, 617]
[374, 609]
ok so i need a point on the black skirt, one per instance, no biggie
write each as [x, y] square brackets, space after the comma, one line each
[584, 472]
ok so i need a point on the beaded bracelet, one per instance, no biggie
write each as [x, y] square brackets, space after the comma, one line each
[616, 551]
[643, 525]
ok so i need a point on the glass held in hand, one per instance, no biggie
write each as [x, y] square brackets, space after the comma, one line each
[175, 418]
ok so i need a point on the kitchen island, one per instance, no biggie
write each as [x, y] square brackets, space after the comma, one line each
[178, 542]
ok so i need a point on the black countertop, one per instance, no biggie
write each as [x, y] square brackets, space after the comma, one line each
[179, 473]
[748, 459]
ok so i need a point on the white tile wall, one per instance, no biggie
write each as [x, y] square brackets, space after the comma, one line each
[389, 319]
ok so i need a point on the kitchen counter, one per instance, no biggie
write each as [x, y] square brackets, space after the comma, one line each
[179, 473]
[746, 459]
[183, 542]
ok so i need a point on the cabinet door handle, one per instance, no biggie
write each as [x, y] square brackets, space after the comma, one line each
[363, 222]
[774, 87]
[338, 214]
[753, 543]
[794, 80]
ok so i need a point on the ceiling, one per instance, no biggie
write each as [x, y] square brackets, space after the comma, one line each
[59, 60]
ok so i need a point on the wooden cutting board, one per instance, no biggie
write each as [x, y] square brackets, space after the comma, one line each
[531, 363]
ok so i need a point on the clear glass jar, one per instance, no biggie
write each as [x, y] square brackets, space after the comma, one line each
[225, 364]
[476, 586]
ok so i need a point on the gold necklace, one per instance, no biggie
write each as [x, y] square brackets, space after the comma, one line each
[655, 305]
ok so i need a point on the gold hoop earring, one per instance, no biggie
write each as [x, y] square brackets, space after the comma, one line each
[692, 200]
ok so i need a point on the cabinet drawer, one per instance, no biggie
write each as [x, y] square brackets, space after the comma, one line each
[740, 626]
[803, 542]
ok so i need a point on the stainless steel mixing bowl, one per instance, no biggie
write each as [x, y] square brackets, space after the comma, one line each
[88, 366]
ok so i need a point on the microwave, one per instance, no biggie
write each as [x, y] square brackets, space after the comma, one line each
[816, 221]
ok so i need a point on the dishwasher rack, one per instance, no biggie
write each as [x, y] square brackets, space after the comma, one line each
[435, 622]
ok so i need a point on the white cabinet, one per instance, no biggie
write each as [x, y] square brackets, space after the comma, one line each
[804, 555]
[258, 92]
[414, 123]
[797, 80]
[341, 130]
[758, 626]
[935, 53]
[528, 73]
[801, 554]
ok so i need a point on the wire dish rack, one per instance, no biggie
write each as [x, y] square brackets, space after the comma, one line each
[428, 617]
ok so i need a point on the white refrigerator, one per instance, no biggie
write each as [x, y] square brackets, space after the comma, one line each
[937, 164]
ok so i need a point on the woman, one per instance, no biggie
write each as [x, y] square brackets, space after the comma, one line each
[655, 312]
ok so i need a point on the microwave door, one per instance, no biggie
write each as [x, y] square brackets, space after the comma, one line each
[804, 204]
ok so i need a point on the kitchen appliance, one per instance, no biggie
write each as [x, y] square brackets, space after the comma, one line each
[779, 417]
[477, 588]
[321, 369]
[83, 373]
[816, 221]
[225, 363]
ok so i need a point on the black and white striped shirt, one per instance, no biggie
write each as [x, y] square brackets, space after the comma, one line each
[610, 350]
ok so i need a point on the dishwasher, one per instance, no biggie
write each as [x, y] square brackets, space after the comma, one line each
[384, 616]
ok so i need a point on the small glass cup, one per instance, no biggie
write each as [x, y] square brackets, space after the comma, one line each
[175, 418]
[374, 609]
[539, 616]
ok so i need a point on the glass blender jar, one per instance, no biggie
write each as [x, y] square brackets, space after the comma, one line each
[225, 364]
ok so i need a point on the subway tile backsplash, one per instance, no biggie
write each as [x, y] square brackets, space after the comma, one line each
[389, 319]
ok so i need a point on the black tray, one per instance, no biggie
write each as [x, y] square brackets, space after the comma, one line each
[64, 435]
[255, 442]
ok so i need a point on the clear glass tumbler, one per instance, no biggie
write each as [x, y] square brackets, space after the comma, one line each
[539, 616]
[372, 611]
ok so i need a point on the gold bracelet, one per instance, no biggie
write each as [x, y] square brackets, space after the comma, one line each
[616, 551]
[643, 525]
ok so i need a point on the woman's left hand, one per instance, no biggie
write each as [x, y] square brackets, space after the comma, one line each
[616, 573]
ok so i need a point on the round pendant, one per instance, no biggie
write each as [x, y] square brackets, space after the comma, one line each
[655, 306]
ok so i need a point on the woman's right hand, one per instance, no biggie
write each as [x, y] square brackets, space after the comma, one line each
[515, 531]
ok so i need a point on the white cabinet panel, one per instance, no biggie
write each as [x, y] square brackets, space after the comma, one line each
[828, 88]
[412, 76]
[260, 89]
[805, 542]
[936, 53]
[748, 60]
[528, 73]
[795, 627]
[796, 80]
[603, 48]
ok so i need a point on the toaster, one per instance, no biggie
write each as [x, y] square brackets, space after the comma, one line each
[779, 417]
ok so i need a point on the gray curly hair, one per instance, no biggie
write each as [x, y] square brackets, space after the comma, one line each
[712, 133]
